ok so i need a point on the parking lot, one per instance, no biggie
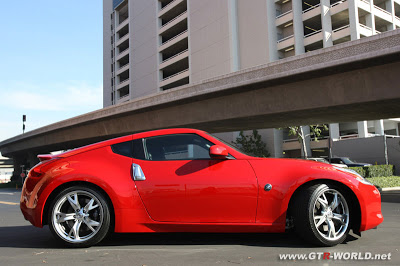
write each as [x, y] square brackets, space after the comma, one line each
[21, 243]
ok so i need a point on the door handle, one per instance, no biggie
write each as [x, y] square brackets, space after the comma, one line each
[138, 174]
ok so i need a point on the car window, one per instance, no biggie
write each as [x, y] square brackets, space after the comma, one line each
[138, 149]
[133, 149]
[177, 147]
[123, 148]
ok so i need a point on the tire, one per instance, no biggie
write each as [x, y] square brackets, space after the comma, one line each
[319, 218]
[79, 216]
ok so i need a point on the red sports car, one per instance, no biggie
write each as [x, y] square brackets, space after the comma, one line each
[185, 180]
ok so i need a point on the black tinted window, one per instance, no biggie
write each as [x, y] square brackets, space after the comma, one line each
[177, 147]
[123, 148]
[133, 149]
[138, 152]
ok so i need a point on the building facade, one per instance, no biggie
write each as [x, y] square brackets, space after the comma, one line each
[156, 45]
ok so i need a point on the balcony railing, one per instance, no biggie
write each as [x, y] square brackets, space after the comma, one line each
[173, 38]
[383, 10]
[123, 51]
[341, 28]
[122, 36]
[172, 57]
[281, 15]
[122, 81]
[365, 1]
[121, 67]
[169, 4]
[123, 96]
[174, 75]
[312, 33]
[338, 3]
[284, 39]
[311, 8]
[174, 19]
[123, 20]
[365, 27]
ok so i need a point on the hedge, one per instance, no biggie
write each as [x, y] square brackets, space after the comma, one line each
[374, 170]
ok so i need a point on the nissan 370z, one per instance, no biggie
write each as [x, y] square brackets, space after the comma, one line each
[185, 180]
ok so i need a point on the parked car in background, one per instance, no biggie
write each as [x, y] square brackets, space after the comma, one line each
[348, 162]
[323, 160]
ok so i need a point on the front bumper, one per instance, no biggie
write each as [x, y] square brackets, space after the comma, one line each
[370, 203]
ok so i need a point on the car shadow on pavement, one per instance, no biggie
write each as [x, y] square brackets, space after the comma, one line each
[32, 237]
[27, 236]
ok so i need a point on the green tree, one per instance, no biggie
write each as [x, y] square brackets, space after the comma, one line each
[315, 132]
[252, 144]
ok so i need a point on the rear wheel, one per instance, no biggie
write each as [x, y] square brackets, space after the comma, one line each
[322, 215]
[79, 216]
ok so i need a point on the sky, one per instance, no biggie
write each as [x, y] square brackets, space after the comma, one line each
[50, 62]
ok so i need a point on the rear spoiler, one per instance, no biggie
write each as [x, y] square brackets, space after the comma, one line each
[45, 157]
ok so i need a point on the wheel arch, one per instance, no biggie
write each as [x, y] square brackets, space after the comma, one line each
[63, 186]
[354, 202]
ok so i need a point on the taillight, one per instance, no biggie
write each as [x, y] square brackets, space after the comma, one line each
[38, 170]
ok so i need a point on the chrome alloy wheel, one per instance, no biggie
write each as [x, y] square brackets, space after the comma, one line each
[331, 214]
[77, 216]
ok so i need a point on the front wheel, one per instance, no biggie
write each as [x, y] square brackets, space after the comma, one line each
[322, 215]
[79, 216]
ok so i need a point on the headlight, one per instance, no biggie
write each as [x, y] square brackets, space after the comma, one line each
[354, 173]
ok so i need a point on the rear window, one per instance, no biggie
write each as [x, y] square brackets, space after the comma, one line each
[132, 149]
[123, 148]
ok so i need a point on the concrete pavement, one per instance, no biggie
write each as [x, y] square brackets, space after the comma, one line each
[21, 243]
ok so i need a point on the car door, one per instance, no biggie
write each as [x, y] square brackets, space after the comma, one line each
[183, 184]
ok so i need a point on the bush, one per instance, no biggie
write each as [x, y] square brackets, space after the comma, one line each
[374, 170]
[387, 181]
[359, 170]
[379, 170]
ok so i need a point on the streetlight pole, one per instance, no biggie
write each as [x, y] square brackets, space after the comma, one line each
[23, 123]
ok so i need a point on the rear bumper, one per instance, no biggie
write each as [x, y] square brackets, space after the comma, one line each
[29, 207]
[370, 202]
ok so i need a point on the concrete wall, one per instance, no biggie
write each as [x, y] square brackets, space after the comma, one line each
[253, 37]
[365, 150]
[209, 39]
[107, 10]
[370, 150]
[143, 47]
[393, 147]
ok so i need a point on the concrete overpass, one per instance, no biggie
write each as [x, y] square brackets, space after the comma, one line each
[352, 81]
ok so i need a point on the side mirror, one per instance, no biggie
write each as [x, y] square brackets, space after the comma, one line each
[218, 152]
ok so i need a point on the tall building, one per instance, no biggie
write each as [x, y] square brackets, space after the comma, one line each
[156, 45]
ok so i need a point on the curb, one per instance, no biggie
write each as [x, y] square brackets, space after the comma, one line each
[391, 189]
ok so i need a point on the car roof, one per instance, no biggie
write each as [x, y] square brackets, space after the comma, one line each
[130, 137]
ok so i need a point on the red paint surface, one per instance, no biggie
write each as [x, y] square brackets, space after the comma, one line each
[215, 195]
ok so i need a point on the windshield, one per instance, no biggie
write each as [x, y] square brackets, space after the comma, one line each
[347, 161]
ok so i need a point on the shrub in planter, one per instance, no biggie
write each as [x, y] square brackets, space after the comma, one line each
[379, 170]
[374, 170]
[359, 170]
